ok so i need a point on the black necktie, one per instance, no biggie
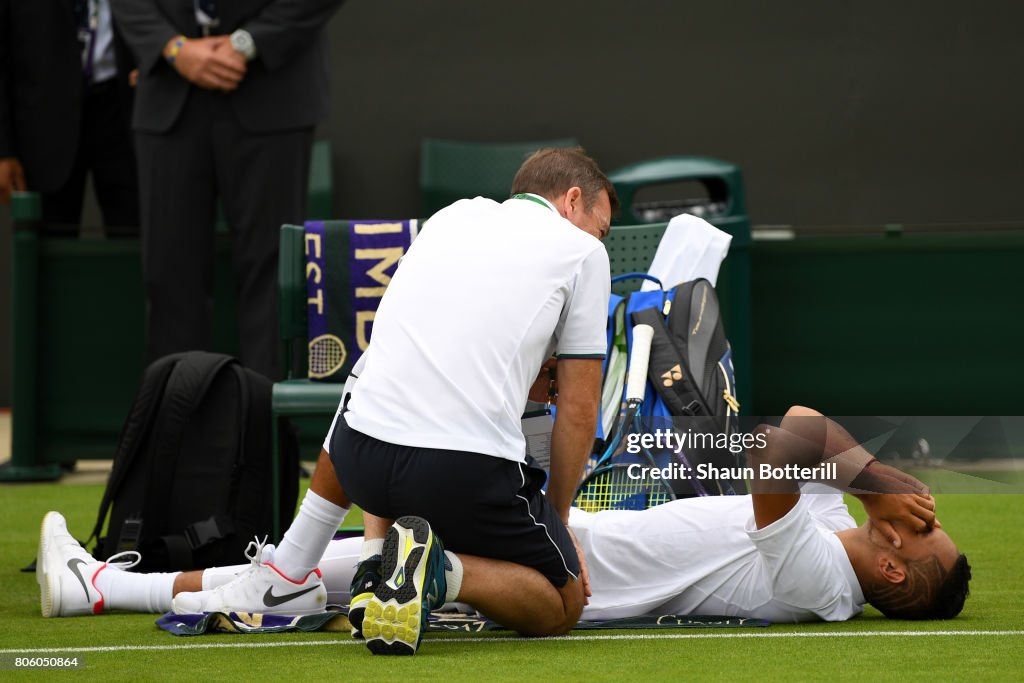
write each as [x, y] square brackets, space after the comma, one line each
[86, 15]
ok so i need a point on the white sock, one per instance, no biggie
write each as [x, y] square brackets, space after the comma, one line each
[371, 547]
[453, 576]
[136, 592]
[214, 577]
[306, 539]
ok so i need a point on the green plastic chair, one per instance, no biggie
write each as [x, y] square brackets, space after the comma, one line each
[451, 170]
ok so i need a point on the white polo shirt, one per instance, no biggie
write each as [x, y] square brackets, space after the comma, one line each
[483, 297]
[704, 556]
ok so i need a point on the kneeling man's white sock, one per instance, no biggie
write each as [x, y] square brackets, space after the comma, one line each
[306, 539]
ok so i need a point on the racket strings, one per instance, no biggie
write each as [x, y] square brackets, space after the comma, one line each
[622, 487]
[326, 355]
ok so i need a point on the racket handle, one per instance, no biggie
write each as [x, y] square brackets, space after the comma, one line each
[638, 359]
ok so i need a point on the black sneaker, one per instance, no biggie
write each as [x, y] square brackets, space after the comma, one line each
[413, 583]
[364, 583]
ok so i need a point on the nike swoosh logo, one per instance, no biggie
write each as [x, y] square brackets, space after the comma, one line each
[271, 600]
[74, 564]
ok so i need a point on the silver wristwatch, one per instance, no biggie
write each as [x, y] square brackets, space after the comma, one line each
[242, 42]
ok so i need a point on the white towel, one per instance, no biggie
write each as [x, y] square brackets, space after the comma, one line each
[690, 248]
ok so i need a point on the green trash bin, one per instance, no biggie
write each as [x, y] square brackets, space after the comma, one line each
[724, 206]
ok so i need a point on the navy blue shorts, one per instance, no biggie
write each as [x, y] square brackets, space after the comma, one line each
[477, 504]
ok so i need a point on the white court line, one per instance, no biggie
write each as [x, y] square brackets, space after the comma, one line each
[506, 639]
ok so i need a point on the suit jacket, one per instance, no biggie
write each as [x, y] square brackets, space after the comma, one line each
[41, 88]
[284, 87]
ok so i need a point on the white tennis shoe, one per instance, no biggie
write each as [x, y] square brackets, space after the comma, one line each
[66, 572]
[259, 589]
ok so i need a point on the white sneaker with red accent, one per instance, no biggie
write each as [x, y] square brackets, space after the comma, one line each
[66, 572]
[260, 589]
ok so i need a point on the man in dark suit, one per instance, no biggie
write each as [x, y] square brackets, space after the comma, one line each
[228, 95]
[65, 111]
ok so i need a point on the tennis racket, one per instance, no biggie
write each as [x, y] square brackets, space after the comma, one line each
[622, 487]
[326, 356]
[615, 375]
[636, 385]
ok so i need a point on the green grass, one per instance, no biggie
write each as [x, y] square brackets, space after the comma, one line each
[987, 527]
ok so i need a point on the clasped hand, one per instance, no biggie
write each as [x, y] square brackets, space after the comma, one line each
[211, 63]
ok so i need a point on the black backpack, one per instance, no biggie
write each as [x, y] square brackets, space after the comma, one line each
[691, 359]
[691, 370]
[191, 481]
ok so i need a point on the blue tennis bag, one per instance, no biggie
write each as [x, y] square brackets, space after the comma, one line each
[690, 372]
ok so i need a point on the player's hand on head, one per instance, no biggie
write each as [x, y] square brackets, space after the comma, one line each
[915, 511]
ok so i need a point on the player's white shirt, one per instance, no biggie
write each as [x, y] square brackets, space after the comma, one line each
[700, 556]
[705, 556]
[484, 295]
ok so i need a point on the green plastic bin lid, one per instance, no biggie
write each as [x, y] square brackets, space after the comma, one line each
[667, 169]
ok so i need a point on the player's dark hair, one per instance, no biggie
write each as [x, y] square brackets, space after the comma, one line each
[928, 592]
[551, 171]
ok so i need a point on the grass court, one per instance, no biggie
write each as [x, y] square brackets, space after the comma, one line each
[986, 643]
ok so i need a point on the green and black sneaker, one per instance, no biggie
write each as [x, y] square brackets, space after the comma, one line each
[413, 584]
[364, 583]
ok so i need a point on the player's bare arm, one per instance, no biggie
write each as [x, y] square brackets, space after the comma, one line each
[806, 438]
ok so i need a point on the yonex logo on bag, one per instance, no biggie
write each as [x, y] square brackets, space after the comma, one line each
[672, 376]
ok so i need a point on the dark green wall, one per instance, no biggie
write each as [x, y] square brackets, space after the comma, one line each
[877, 325]
[903, 325]
[838, 113]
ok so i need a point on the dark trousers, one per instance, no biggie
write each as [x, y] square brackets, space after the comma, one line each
[105, 149]
[261, 181]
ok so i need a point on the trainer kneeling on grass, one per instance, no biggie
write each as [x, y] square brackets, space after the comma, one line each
[433, 430]
[784, 554]
[432, 438]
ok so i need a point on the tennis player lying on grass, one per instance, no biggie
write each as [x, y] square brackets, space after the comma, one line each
[784, 554]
